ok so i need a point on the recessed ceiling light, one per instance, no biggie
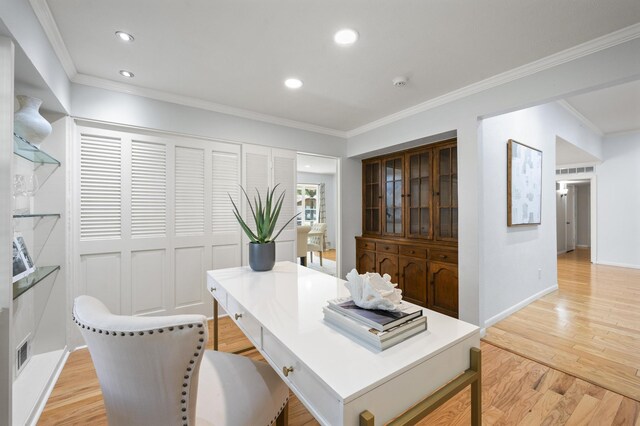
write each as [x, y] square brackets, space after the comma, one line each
[124, 36]
[293, 83]
[308, 166]
[346, 36]
[126, 73]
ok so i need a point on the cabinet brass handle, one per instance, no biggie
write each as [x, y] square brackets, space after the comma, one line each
[238, 316]
[443, 256]
[286, 371]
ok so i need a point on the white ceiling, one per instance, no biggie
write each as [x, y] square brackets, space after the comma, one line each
[238, 52]
[612, 110]
[316, 164]
[567, 153]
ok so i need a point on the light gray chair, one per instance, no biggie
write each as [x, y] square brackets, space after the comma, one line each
[156, 371]
[301, 243]
[316, 239]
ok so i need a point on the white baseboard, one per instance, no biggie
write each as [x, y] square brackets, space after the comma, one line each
[502, 315]
[620, 265]
[561, 252]
[583, 246]
[42, 402]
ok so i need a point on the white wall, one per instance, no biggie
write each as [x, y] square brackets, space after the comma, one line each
[583, 213]
[6, 234]
[618, 226]
[599, 69]
[114, 107]
[330, 199]
[519, 262]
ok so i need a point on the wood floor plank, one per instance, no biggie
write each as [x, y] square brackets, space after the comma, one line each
[589, 328]
[584, 411]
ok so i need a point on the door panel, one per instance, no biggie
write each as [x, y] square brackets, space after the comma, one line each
[151, 211]
[443, 288]
[388, 264]
[413, 280]
[571, 217]
[148, 281]
[366, 261]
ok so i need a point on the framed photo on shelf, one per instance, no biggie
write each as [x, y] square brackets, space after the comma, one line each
[524, 184]
[22, 262]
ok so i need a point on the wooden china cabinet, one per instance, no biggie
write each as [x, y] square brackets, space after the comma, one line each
[410, 223]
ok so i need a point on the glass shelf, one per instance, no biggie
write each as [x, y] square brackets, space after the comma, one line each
[24, 284]
[38, 215]
[29, 152]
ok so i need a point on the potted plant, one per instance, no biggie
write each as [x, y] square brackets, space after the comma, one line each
[262, 249]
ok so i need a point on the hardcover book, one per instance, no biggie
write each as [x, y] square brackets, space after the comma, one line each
[376, 318]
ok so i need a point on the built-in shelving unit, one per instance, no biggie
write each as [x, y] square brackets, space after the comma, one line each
[27, 283]
[36, 215]
[39, 312]
[30, 152]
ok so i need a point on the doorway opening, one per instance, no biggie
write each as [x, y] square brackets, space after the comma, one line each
[573, 215]
[317, 204]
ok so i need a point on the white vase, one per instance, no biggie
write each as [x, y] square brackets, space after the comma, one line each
[27, 121]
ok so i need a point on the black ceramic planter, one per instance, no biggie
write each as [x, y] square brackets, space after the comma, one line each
[262, 257]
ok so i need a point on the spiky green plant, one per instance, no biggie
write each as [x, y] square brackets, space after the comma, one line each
[265, 216]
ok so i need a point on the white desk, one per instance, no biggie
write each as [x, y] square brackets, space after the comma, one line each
[337, 379]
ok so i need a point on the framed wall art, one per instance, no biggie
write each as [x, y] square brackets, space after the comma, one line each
[524, 184]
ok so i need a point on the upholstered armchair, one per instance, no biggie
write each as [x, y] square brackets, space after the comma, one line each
[301, 243]
[316, 239]
[156, 371]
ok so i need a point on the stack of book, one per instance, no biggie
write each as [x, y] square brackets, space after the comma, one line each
[378, 328]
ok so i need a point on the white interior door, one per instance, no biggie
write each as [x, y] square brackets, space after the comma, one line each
[263, 168]
[153, 215]
[571, 218]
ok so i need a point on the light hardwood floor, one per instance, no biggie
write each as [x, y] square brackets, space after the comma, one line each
[589, 328]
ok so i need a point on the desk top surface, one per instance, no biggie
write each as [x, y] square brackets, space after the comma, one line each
[288, 302]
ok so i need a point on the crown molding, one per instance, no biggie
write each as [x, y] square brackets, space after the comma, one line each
[115, 86]
[577, 114]
[623, 133]
[609, 40]
[44, 15]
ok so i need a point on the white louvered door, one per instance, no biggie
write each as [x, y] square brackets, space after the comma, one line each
[152, 217]
[263, 168]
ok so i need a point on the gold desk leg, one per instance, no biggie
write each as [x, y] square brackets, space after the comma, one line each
[423, 408]
[215, 324]
[366, 418]
[476, 388]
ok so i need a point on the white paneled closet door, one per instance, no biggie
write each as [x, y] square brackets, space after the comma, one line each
[152, 216]
[263, 168]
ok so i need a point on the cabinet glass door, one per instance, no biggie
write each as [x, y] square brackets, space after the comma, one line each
[393, 196]
[419, 195]
[371, 219]
[447, 190]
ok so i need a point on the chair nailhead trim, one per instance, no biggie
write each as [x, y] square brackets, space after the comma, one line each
[187, 377]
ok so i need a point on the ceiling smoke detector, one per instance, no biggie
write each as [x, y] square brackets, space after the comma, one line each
[400, 81]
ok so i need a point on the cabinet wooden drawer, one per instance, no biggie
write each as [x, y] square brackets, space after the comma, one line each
[443, 256]
[302, 380]
[419, 252]
[386, 247]
[245, 321]
[366, 245]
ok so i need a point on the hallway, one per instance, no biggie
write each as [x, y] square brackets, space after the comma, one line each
[589, 328]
